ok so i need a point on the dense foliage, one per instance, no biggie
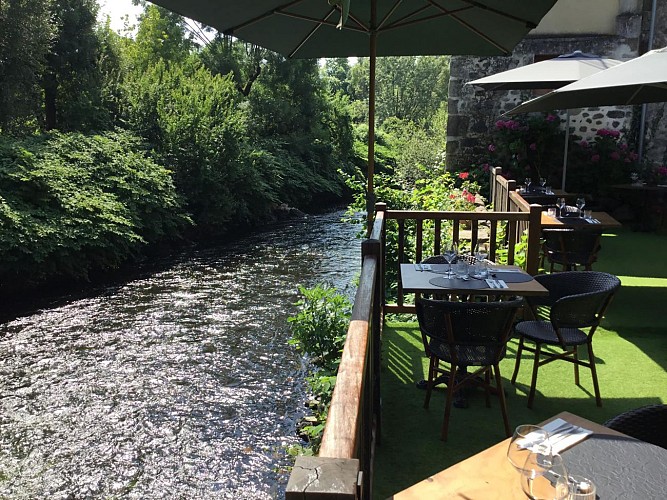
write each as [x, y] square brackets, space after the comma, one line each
[319, 330]
[240, 131]
[71, 203]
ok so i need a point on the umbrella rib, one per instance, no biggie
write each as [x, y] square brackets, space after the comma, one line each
[472, 28]
[320, 22]
[317, 26]
[391, 11]
[268, 13]
[474, 3]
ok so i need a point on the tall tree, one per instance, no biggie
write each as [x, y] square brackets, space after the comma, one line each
[25, 35]
[225, 55]
[72, 80]
[161, 36]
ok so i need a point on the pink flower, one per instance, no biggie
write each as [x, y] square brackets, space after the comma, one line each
[634, 156]
[486, 167]
[623, 146]
[615, 156]
[595, 158]
[452, 196]
[551, 117]
[491, 148]
[533, 147]
[584, 143]
[470, 197]
[463, 175]
[662, 171]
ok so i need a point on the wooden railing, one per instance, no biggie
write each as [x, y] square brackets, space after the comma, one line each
[500, 190]
[503, 231]
[344, 467]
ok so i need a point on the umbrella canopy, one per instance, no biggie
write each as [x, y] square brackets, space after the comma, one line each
[308, 29]
[638, 81]
[549, 74]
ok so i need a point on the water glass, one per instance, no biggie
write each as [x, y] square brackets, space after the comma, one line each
[461, 269]
[581, 203]
[551, 212]
[527, 439]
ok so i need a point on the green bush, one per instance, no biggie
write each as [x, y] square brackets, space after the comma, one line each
[72, 203]
[319, 329]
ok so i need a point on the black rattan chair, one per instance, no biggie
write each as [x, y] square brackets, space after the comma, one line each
[576, 300]
[648, 423]
[570, 248]
[464, 334]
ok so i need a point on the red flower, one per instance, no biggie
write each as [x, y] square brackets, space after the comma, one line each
[470, 197]
[463, 175]
[595, 158]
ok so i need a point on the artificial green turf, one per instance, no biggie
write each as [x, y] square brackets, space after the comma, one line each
[631, 358]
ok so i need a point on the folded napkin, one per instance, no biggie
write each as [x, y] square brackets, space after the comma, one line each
[562, 434]
[423, 267]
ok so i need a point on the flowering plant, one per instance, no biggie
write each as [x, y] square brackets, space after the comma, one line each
[526, 147]
[655, 175]
[605, 160]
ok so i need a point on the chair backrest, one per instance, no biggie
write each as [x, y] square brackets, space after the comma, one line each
[572, 247]
[577, 298]
[648, 423]
[473, 332]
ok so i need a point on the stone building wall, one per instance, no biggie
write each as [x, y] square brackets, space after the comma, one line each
[473, 112]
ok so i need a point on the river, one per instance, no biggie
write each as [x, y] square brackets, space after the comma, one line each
[177, 383]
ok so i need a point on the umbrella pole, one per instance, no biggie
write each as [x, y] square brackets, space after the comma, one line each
[567, 143]
[370, 193]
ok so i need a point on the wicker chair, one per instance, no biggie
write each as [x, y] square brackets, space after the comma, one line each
[576, 300]
[464, 334]
[570, 249]
[648, 423]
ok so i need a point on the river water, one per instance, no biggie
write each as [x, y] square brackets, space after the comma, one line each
[178, 383]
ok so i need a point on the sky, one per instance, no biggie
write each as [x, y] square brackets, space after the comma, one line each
[116, 9]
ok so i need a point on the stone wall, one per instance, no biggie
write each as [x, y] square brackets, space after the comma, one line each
[473, 112]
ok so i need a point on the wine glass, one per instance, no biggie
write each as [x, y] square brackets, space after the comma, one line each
[450, 254]
[527, 439]
[544, 477]
[481, 251]
[529, 181]
[543, 183]
[581, 203]
[561, 206]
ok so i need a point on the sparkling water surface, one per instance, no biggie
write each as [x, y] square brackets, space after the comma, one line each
[175, 384]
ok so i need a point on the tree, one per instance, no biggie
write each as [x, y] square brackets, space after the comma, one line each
[226, 55]
[72, 80]
[161, 36]
[25, 35]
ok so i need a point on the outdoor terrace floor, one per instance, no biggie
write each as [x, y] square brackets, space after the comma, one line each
[631, 352]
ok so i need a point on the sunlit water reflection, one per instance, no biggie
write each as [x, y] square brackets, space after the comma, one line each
[178, 384]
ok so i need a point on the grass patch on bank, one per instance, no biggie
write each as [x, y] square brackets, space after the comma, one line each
[631, 357]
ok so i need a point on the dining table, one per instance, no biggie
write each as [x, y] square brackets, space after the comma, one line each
[433, 279]
[598, 221]
[620, 466]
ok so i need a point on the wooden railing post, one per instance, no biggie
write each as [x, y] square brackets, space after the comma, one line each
[534, 235]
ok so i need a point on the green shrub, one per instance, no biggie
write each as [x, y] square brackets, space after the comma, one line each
[71, 203]
[319, 329]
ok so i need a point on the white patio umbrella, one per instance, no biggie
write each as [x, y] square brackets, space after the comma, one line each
[637, 81]
[549, 74]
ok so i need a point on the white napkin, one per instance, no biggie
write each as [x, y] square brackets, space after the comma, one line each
[422, 267]
[562, 434]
